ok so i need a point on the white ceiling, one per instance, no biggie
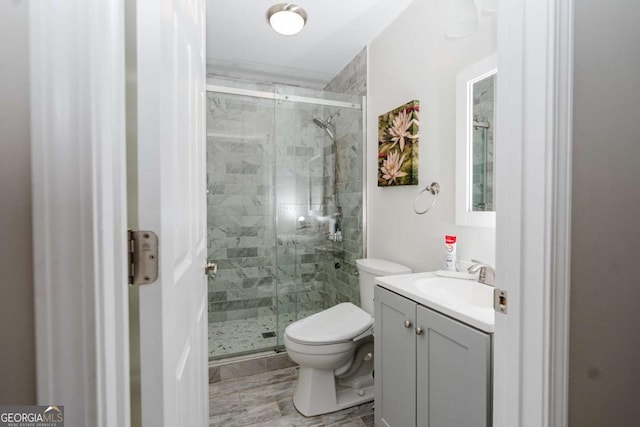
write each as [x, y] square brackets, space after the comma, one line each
[240, 42]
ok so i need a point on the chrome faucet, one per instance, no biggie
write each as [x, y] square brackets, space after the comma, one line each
[487, 273]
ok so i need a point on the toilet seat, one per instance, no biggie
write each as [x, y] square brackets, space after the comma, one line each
[340, 323]
[345, 347]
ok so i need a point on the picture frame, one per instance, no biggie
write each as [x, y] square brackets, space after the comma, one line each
[398, 145]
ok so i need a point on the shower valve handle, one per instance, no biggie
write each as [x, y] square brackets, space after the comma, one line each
[211, 269]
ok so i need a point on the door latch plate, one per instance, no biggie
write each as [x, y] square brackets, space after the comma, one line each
[500, 301]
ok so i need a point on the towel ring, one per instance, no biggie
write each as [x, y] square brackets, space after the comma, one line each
[434, 189]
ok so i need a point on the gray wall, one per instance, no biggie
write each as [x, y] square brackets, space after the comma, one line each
[17, 343]
[604, 388]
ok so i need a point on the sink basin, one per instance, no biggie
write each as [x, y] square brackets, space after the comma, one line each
[466, 300]
[457, 291]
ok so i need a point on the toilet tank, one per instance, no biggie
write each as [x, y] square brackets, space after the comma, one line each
[369, 269]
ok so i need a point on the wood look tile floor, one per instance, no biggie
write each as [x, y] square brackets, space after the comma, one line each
[265, 400]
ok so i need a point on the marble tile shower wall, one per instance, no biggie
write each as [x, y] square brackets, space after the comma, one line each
[353, 77]
[341, 281]
[241, 233]
[341, 284]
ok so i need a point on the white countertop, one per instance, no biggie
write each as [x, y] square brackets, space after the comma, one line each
[465, 300]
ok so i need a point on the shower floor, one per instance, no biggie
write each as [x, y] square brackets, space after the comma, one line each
[233, 337]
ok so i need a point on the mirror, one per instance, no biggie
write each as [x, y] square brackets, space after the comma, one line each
[475, 126]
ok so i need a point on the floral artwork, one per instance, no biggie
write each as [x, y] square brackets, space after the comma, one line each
[398, 146]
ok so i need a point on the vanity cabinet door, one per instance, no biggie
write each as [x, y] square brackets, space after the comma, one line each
[395, 360]
[453, 373]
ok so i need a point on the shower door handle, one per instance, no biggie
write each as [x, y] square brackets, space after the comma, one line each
[211, 269]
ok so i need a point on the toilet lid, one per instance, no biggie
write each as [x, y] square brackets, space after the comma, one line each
[340, 323]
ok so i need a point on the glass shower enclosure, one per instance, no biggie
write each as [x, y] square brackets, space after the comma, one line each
[285, 209]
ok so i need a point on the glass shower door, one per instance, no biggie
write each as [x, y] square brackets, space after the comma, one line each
[241, 234]
[318, 201]
[298, 179]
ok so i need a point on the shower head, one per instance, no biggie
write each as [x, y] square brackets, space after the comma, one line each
[327, 125]
[320, 123]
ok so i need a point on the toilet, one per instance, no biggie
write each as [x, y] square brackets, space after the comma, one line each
[334, 348]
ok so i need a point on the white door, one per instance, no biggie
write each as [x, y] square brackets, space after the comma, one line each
[171, 79]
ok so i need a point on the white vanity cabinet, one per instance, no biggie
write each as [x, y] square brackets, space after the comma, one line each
[430, 370]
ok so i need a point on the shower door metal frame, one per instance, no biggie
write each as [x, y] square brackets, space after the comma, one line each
[281, 97]
[364, 178]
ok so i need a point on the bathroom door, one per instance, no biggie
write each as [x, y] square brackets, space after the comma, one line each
[171, 201]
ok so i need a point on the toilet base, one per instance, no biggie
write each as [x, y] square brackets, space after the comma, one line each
[317, 393]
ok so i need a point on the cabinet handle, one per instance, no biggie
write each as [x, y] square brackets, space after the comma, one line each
[418, 330]
[407, 324]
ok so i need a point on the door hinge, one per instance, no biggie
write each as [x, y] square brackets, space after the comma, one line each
[143, 257]
[500, 301]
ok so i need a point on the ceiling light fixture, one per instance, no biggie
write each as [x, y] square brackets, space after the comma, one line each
[286, 18]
